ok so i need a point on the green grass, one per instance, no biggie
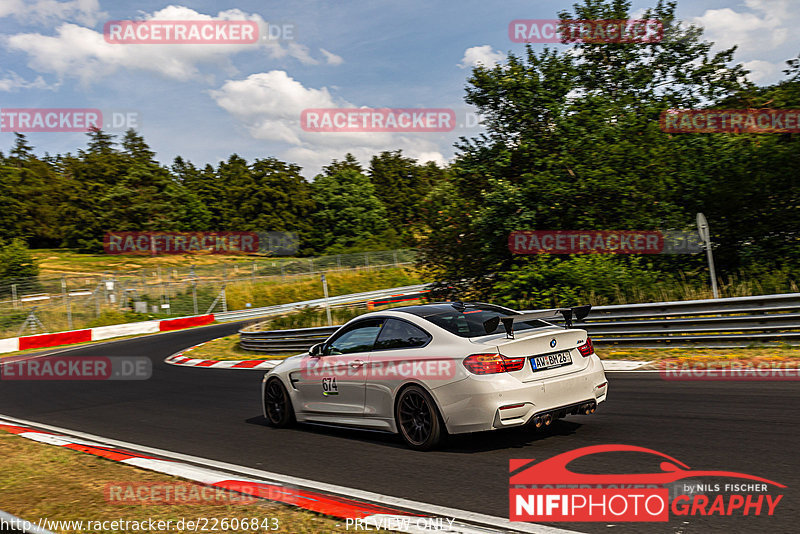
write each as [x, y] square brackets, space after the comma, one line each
[227, 348]
[59, 261]
[40, 480]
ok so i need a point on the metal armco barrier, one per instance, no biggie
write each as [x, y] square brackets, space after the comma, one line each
[726, 322]
[282, 309]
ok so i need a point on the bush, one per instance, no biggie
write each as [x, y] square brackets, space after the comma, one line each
[549, 281]
[16, 260]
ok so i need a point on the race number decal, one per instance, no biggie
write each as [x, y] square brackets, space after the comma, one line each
[329, 386]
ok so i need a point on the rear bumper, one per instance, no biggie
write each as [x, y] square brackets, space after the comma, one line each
[489, 402]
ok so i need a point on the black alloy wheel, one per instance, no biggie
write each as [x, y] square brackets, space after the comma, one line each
[418, 420]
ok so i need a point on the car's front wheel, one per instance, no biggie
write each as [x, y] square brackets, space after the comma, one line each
[277, 404]
[418, 419]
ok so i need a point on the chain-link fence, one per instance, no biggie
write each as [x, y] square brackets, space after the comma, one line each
[52, 303]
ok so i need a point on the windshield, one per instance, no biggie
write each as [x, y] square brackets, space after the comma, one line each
[470, 321]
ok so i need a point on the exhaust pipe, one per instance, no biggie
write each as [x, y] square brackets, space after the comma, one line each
[587, 409]
[592, 408]
[537, 421]
[547, 419]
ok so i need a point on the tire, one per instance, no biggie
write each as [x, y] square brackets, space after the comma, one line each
[277, 404]
[418, 421]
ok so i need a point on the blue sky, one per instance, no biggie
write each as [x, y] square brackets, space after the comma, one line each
[204, 102]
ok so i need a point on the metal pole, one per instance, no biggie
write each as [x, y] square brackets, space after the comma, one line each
[14, 302]
[66, 301]
[97, 297]
[224, 300]
[165, 285]
[194, 296]
[327, 304]
[705, 234]
[711, 268]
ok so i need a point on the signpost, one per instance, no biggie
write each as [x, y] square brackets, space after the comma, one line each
[705, 235]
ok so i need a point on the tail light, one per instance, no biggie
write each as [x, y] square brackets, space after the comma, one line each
[587, 348]
[492, 363]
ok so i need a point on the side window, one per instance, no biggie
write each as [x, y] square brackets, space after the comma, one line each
[359, 338]
[398, 334]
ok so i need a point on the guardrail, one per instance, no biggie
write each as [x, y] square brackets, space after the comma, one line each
[726, 322]
[341, 300]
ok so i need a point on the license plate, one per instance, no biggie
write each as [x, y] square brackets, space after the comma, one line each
[551, 361]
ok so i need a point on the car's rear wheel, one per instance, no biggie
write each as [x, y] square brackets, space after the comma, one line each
[418, 419]
[277, 404]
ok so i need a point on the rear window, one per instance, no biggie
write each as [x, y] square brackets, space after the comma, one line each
[469, 322]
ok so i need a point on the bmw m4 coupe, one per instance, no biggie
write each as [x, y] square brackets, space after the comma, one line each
[442, 368]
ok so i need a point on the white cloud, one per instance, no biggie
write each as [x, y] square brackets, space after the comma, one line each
[14, 82]
[81, 52]
[46, 11]
[762, 71]
[269, 106]
[765, 27]
[481, 55]
[331, 58]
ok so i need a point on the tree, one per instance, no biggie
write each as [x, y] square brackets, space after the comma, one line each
[401, 184]
[573, 142]
[348, 214]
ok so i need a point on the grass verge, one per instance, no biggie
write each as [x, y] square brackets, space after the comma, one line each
[43, 481]
[227, 348]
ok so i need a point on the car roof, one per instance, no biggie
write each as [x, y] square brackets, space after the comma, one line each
[436, 308]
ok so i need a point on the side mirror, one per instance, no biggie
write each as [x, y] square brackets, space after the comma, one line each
[316, 350]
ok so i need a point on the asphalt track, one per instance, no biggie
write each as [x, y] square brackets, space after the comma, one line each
[748, 427]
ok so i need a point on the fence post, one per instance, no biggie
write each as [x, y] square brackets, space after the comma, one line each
[14, 302]
[224, 300]
[366, 260]
[65, 293]
[327, 304]
[194, 295]
[165, 286]
[97, 296]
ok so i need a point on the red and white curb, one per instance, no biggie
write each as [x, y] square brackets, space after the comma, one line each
[377, 511]
[181, 359]
[100, 333]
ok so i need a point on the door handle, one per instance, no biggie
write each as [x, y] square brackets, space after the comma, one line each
[355, 364]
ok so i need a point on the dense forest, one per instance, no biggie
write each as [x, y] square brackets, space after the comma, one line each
[572, 141]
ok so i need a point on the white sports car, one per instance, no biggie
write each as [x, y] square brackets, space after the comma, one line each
[429, 370]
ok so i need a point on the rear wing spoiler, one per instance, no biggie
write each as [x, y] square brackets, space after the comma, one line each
[578, 313]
